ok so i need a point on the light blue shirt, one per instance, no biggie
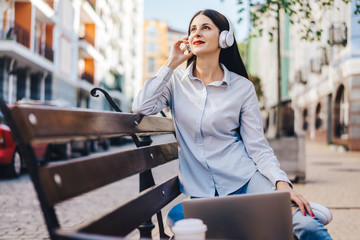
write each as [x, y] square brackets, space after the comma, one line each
[212, 155]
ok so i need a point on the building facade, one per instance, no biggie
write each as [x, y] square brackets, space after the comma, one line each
[27, 60]
[262, 63]
[158, 38]
[328, 98]
[320, 79]
[61, 49]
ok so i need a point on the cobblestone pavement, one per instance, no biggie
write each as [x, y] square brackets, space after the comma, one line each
[332, 179]
[21, 216]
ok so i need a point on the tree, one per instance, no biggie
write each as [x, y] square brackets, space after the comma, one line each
[257, 84]
[300, 12]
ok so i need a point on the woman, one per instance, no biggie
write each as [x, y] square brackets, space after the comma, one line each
[222, 148]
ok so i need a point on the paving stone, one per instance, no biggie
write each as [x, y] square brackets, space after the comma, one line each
[332, 179]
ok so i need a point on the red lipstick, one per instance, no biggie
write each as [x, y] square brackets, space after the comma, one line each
[198, 42]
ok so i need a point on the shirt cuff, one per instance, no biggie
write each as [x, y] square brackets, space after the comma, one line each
[285, 180]
[164, 70]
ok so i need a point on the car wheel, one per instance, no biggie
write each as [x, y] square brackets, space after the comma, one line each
[106, 144]
[87, 147]
[14, 170]
[95, 145]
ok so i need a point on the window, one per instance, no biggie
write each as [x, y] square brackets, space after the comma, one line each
[151, 47]
[35, 86]
[341, 114]
[21, 85]
[305, 119]
[151, 31]
[48, 87]
[318, 121]
[151, 65]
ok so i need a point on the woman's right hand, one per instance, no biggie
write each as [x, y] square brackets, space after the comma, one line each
[178, 54]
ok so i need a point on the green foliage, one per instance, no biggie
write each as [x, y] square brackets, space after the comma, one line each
[242, 49]
[257, 84]
[299, 11]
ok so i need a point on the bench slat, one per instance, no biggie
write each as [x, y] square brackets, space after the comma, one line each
[63, 235]
[60, 181]
[68, 179]
[123, 220]
[49, 124]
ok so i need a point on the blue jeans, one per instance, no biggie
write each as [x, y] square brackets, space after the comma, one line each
[305, 227]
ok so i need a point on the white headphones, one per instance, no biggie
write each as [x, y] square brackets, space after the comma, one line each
[226, 38]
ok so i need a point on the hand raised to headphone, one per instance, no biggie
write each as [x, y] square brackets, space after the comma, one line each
[178, 54]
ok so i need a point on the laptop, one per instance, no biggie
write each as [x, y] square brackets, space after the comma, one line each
[246, 217]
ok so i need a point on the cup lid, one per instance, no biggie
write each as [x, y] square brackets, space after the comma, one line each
[189, 226]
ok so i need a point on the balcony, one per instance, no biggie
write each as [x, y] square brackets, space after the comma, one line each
[88, 77]
[325, 56]
[88, 14]
[87, 37]
[315, 65]
[49, 53]
[17, 33]
[50, 3]
[338, 34]
[300, 78]
[46, 51]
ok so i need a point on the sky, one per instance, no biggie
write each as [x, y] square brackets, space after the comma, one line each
[178, 13]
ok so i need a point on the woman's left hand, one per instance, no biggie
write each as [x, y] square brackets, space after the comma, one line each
[302, 203]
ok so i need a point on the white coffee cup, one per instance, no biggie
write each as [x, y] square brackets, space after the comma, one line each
[189, 229]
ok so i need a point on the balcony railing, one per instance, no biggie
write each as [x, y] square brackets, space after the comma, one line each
[325, 56]
[44, 50]
[88, 38]
[88, 77]
[338, 34]
[315, 65]
[49, 53]
[300, 78]
[15, 32]
[22, 35]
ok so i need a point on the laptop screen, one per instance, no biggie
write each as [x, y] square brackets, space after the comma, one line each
[247, 216]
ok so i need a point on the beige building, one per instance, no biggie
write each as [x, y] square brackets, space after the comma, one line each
[158, 38]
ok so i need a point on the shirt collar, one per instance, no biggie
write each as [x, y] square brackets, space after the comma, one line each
[225, 81]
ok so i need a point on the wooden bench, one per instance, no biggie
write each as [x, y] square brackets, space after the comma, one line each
[59, 181]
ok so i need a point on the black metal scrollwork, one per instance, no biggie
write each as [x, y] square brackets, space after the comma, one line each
[107, 96]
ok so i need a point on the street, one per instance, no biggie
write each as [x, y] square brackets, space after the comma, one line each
[331, 179]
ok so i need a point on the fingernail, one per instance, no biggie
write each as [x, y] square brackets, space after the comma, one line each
[305, 214]
[313, 215]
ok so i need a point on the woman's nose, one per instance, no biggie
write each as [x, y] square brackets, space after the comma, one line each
[198, 32]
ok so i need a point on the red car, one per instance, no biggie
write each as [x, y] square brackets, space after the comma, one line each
[11, 161]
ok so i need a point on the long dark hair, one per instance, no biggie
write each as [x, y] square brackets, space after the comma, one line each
[230, 57]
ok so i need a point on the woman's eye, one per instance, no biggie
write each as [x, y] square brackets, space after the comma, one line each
[192, 29]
